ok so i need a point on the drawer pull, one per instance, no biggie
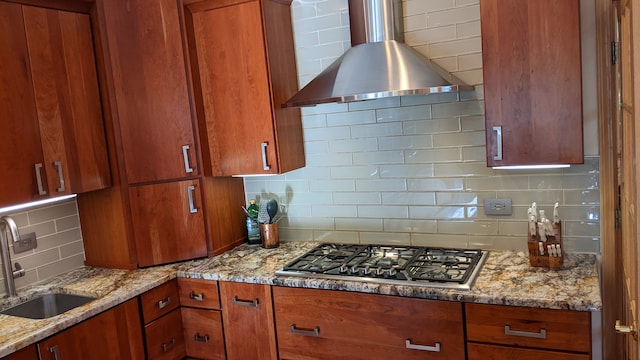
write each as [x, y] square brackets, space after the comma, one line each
[201, 338]
[163, 304]
[539, 335]
[314, 332]
[166, 347]
[237, 301]
[55, 351]
[409, 345]
[191, 189]
[196, 297]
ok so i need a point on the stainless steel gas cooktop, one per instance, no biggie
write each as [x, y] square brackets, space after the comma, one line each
[401, 265]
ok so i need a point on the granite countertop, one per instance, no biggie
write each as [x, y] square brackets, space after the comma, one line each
[506, 278]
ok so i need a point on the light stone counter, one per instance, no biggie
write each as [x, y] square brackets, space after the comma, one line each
[506, 278]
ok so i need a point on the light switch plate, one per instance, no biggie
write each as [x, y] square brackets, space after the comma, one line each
[27, 242]
[497, 206]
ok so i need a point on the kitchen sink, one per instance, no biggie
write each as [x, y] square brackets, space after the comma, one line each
[48, 305]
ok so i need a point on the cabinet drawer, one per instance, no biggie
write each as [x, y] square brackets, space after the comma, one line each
[159, 301]
[203, 333]
[496, 352]
[539, 328]
[199, 293]
[164, 337]
[323, 324]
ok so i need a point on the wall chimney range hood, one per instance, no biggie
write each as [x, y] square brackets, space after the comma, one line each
[379, 64]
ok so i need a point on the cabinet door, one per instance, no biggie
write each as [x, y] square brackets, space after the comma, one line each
[164, 337]
[168, 222]
[365, 326]
[493, 352]
[532, 81]
[203, 333]
[67, 100]
[114, 334]
[150, 92]
[159, 301]
[529, 327]
[20, 147]
[236, 114]
[249, 330]
[28, 353]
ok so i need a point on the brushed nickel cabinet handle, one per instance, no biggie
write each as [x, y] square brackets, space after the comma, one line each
[190, 193]
[409, 345]
[201, 338]
[56, 352]
[163, 304]
[498, 131]
[314, 332]
[185, 154]
[166, 347]
[265, 164]
[542, 334]
[41, 190]
[196, 297]
[252, 303]
[58, 165]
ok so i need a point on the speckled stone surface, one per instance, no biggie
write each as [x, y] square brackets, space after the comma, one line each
[506, 278]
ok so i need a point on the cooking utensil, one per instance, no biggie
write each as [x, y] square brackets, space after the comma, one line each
[272, 209]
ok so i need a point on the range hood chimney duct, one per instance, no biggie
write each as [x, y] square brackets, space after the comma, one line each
[379, 64]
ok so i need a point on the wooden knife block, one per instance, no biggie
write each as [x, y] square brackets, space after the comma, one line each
[538, 260]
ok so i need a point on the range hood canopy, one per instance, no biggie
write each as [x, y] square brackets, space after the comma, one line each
[378, 64]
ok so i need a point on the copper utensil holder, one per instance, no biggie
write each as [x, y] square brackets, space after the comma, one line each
[537, 259]
[269, 233]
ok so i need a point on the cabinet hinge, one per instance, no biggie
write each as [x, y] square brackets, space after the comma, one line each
[614, 52]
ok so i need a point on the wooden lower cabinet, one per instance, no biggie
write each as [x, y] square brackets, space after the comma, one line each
[113, 334]
[494, 331]
[325, 324]
[495, 352]
[164, 337]
[203, 333]
[28, 353]
[247, 313]
[201, 318]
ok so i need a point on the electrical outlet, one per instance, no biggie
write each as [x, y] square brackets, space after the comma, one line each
[497, 206]
[26, 243]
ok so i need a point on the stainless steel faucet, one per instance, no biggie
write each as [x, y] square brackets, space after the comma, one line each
[7, 270]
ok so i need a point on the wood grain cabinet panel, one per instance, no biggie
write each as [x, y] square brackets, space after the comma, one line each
[247, 313]
[113, 334]
[150, 94]
[164, 337]
[545, 329]
[243, 66]
[159, 301]
[532, 81]
[203, 333]
[325, 324]
[28, 353]
[168, 222]
[494, 352]
[199, 293]
[51, 109]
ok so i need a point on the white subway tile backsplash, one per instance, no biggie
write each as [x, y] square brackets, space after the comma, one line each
[414, 167]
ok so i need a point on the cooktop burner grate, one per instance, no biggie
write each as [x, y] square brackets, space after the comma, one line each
[438, 267]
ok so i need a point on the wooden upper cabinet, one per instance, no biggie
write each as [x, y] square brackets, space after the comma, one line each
[67, 100]
[243, 66]
[150, 92]
[532, 81]
[51, 112]
[168, 222]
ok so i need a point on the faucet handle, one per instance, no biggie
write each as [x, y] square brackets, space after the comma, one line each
[19, 271]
